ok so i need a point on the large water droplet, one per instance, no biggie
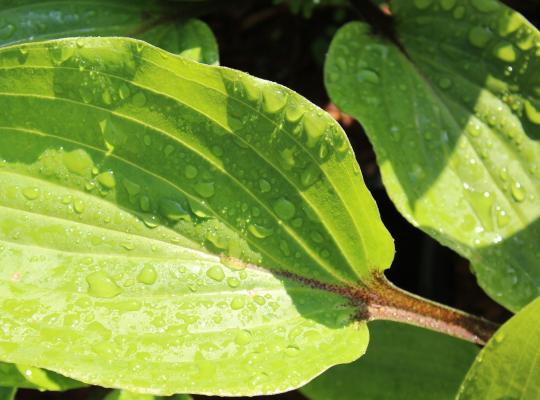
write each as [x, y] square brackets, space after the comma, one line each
[107, 179]
[479, 36]
[260, 231]
[505, 51]
[31, 193]
[78, 161]
[216, 273]
[191, 171]
[138, 99]
[148, 275]
[284, 209]
[274, 99]
[205, 189]
[243, 337]
[100, 284]
[173, 210]
[238, 302]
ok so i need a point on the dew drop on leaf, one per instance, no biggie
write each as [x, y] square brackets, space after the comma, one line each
[100, 284]
[260, 231]
[31, 193]
[147, 275]
[284, 209]
[107, 179]
[216, 273]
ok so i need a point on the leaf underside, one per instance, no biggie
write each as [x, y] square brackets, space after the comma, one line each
[509, 366]
[402, 362]
[155, 22]
[455, 123]
[165, 226]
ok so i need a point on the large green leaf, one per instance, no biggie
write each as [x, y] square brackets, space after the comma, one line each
[172, 227]
[34, 378]
[163, 25]
[509, 366]
[454, 117]
[7, 393]
[403, 362]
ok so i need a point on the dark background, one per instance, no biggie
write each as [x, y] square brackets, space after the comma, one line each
[270, 42]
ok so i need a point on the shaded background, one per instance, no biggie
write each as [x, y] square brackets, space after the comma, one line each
[271, 42]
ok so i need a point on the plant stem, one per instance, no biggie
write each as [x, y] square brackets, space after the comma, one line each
[388, 302]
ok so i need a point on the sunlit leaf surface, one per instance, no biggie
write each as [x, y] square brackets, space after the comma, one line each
[454, 117]
[509, 366]
[171, 227]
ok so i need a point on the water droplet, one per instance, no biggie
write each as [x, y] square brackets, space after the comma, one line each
[259, 231]
[501, 217]
[100, 284]
[233, 282]
[78, 161]
[216, 273]
[505, 51]
[274, 99]
[294, 112]
[368, 76]
[148, 275]
[147, 140]
[78, 206]
[237, 303]
[107, 179]
[509, 23]
[243, 337]
[292, 351]
[31, 193]
[144, 203]
[445, 83]
[485, 6]
[532, 112]
[7, 31]
[132, 188]
[459, 12]
[264, 186]
[480, 36]
[205, 189]
[309, 175]
[314, 127]
[191, 171]
[284, 209]
[173, 210]
[138, 99]
[123, 91]
[518, 193]
[259, 300]
[447, 5]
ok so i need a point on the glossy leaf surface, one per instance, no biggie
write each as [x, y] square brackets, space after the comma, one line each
[148, 20]
[509, 366]
[402, 362]
[455, 124]
[168, 227]
[34, 378]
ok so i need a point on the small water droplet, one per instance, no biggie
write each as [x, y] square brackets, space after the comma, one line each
[479, 36]
[138, 99]
[505, 51]
[238, 302]
[264, 186]
[309, 175]
[367, 76]
[518, 193]
[233, 282]
[78, 206]
[243, 337]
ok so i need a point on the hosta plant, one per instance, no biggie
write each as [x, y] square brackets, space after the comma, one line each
[169, 226]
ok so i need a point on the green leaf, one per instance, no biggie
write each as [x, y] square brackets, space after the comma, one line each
[163, 25]
[455, 124]
[123, 395]
[7, 393]
[403, 362]
[34, 378]
[509, 366]
[172, 227]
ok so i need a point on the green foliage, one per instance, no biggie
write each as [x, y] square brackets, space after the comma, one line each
[28, 377]
[7, 393]
[509, 366]
[454, 117]
[123, 207]
[402, 362]
[152, 21]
